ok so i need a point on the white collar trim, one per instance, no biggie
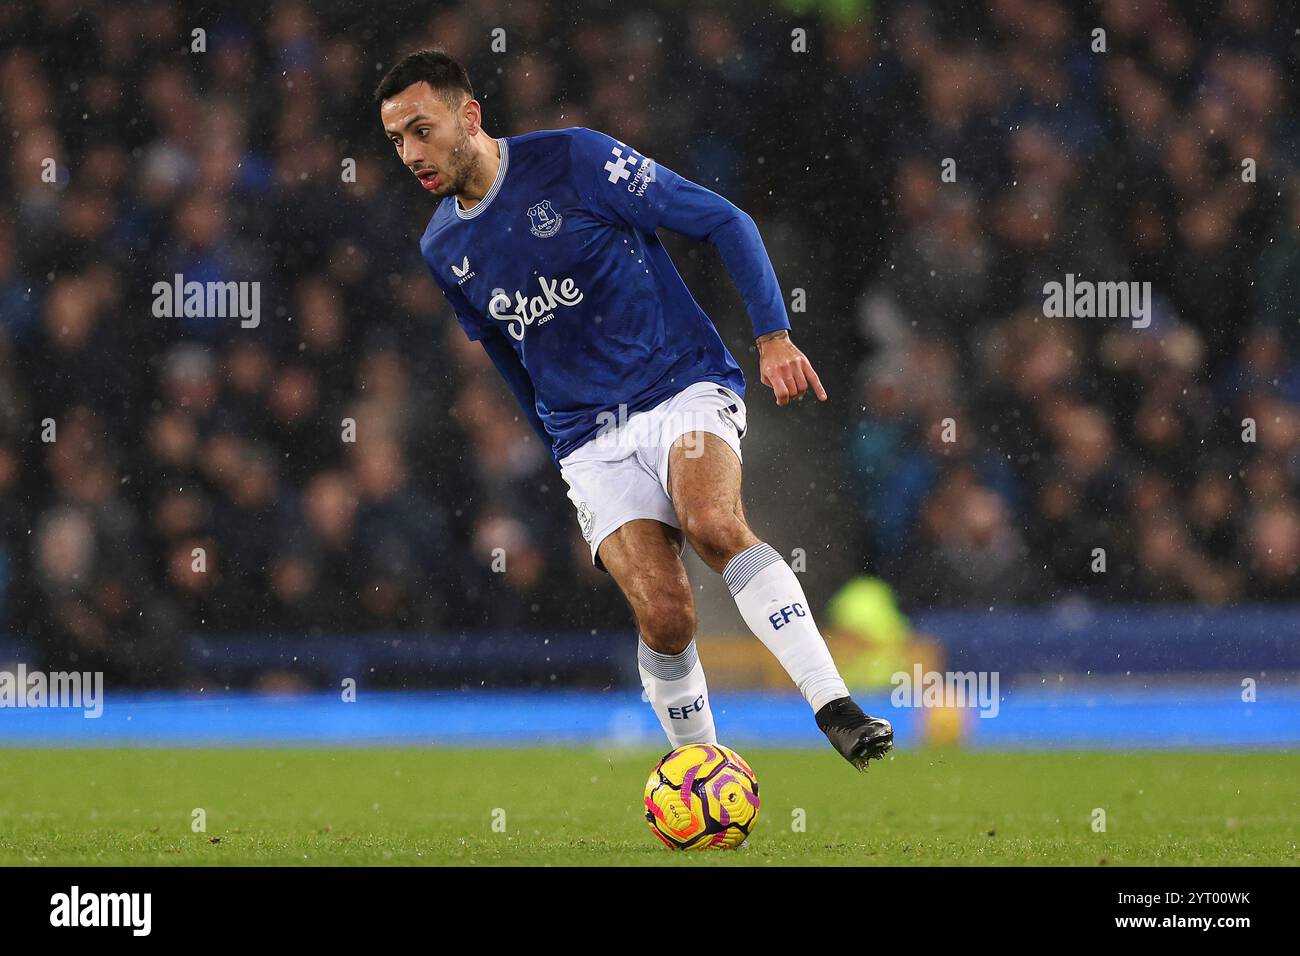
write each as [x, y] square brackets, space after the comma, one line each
[496, 185]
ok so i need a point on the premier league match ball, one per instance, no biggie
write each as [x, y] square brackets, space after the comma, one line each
[702, 797]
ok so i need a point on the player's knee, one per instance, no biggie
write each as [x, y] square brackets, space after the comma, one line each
[667, 625]
[716, 532]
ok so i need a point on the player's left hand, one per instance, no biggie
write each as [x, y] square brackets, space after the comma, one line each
[786, 370]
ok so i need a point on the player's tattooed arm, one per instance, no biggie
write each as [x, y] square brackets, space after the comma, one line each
[786, 370]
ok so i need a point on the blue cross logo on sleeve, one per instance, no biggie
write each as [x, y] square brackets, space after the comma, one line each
[617, 167]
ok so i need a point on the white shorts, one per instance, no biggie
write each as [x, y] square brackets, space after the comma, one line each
[622, 473]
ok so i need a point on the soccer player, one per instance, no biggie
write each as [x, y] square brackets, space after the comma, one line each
[545, 246]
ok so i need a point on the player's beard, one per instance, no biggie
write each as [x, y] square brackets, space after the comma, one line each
[463, 164]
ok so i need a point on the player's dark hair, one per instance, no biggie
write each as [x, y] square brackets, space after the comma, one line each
[445, 75]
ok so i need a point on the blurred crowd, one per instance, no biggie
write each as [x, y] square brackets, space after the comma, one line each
[352, 463]
[1086, 456]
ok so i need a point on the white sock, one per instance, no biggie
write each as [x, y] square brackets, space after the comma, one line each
[772, 602]
[675, 685]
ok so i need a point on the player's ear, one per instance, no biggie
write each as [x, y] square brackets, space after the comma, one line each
[472, 114]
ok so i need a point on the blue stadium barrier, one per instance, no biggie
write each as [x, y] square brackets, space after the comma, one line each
[1109, 639]
[1260, 642]
[1074, 638]
[1027, 718]
[1064, 639]
[500, 659]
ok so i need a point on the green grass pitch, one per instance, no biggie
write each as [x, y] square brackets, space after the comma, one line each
[583, 806]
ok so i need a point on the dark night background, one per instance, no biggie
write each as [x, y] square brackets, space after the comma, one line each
[923, 302]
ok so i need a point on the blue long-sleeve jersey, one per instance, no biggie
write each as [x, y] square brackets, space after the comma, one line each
[557, 270]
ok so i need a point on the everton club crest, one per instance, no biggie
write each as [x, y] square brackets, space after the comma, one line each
[546, 221]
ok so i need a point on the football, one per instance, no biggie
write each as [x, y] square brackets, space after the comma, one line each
[702, 797]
